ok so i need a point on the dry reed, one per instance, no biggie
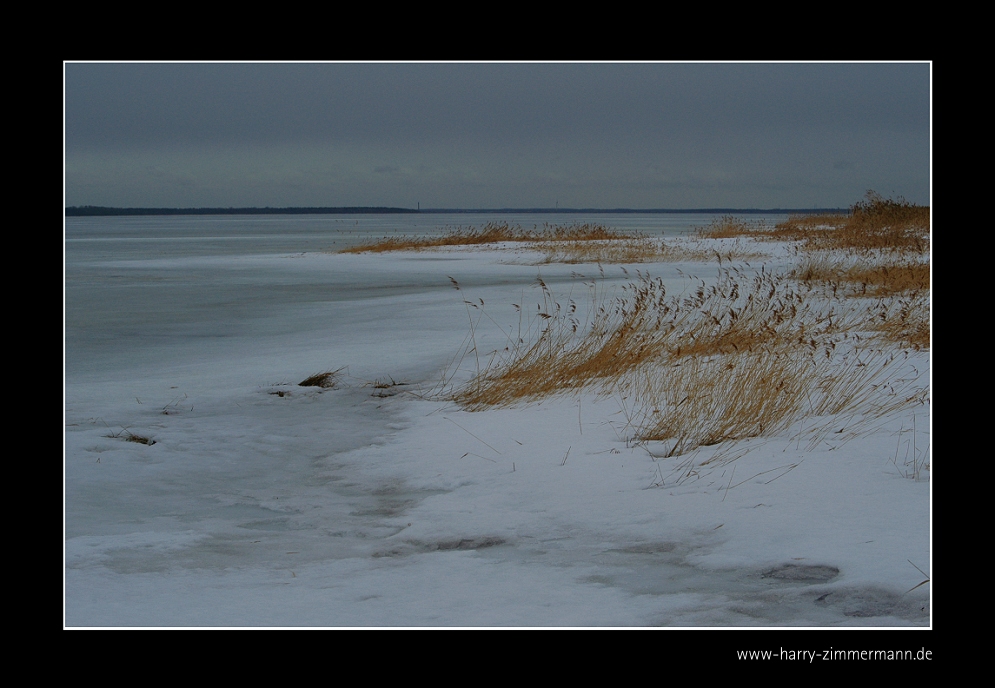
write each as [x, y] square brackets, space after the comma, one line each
[905, 320]
[492, 233]
[865, 278]
[748, 354]
[636, 250]
[326, 380]
[873, 224]
[704, 400]
[728, 227]
[642, 325]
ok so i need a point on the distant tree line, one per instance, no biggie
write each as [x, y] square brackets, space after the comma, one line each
[96, 210]
[619, 211]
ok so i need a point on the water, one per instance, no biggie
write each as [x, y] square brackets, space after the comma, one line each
[136, 288]
[121, 238]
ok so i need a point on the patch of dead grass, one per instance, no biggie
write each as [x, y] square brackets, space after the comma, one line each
[865, 277]
[743, 357]
[750, 353]
[326, 380]
[492, 233]
[905, 320]
[728, 227]
[873, 224]
[636, 250]
[704, 400]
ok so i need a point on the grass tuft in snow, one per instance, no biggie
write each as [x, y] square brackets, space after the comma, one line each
[745, 355]
[491, 233]
[132, 437]
[326, 380]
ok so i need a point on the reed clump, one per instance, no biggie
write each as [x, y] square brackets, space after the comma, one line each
[641, 325]
[873, 224]
[328, 379]
[865, 278]
[728, 227]
[492, 233]
[905, 320]
[551, 357]
[895, 224]
[572, 244]
[744, 355]
[630, 250]
[749, 353]
[577, 232]
[702, 401]
[636, 250]
[803, 227]
[705, 400]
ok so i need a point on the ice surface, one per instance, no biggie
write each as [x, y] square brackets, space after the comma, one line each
[252, 501]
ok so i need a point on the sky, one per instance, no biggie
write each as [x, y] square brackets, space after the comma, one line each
[496, 135]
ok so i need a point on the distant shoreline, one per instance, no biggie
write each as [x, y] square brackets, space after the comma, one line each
[101, 211]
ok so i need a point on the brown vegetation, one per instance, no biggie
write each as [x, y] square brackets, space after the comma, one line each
[326, 380]
[752, 352]
[737, 315]
[875, 223]
[572, 244]
[491, 233]
[728, 227]
[635, 250]
[865, 278]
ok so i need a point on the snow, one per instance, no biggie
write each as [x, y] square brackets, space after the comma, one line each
[374, 504]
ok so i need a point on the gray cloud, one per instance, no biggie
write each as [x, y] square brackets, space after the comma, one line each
[466, 135]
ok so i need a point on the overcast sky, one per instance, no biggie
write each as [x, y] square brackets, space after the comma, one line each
[643, 135]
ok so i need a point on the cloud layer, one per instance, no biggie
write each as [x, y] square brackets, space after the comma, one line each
[495, 135]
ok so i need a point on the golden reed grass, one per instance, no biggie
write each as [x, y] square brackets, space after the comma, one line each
[492, 233]
[865, 278]
[737, 315]
[635, 250]
[750, 353]
[875, 223]
[571, 244]
[704, 400]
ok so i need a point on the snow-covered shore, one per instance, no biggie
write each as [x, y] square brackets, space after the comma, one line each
[253, 501]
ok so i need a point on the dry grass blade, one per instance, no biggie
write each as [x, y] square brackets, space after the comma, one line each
[920, 571]
[905, 320]
[865, 277]
[738, 314]
[750, 353]
[325, 380]
[129, 436]
[703, 401]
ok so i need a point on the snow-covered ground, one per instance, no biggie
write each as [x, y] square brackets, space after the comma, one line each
[258, 502]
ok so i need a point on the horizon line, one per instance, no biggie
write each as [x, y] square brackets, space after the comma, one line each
[102, 211]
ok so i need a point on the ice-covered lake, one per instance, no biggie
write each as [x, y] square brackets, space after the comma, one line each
[252, 501]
